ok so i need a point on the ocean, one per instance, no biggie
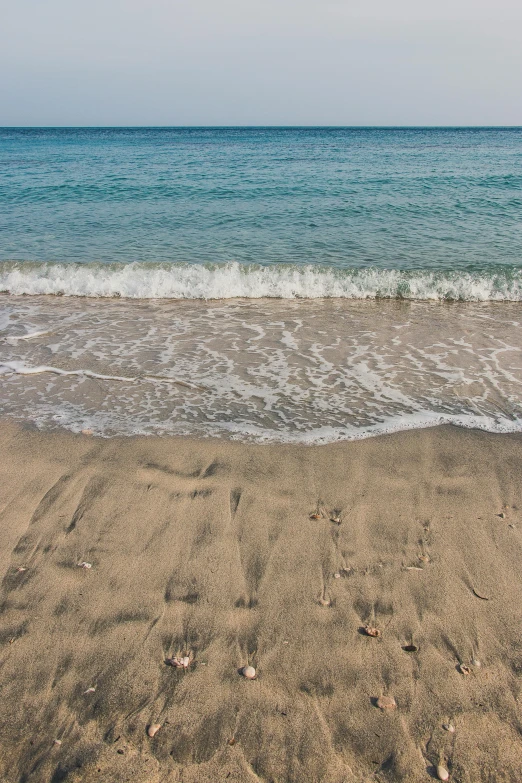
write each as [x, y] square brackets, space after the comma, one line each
[265, 284]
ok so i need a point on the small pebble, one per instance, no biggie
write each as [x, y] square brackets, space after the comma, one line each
[442, 773]
[449, 727]
[153, 729]
[386, 703]
[369, 631]
[248, 672]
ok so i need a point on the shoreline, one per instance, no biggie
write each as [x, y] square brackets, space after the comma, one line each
[207, 547]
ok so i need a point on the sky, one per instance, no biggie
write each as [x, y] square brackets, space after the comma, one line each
[260, 62]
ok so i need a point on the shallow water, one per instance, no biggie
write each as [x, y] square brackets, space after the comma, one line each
[268, 370]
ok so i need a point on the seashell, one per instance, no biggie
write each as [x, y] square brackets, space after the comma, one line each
[86, 432]
[369, 631]
[153, 729]
[248, 672]
[442, 772]
[425, 558]
[463, 669]
[57, 742]
[90, 690]
[232, 741]
[410, 648]
[449, 727]
[325, 602]
[480, 595]
[412, 568]
[336, 520]
[315, 516]
[84, 565]
[21, 569]
[386, 703]
[337, 575]
[185, 661]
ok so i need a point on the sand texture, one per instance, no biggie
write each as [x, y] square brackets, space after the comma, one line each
[207, 549]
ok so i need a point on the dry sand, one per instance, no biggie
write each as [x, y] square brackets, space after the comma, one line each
[208, 548]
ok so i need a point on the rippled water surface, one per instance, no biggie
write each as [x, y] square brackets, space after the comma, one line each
[271, 284]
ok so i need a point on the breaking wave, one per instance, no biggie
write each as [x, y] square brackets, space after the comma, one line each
[234, 280]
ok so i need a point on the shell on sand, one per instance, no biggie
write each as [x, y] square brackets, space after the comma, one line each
[248, 672]
[315, 516]
[449, 727]
[325, 602]
[86, 432]
[84, 565]
[369, 631]
[386, 703]
[425, 558]
[336, 520]
[57, 742]
[463, 669]
[153, 729]
[442, 773]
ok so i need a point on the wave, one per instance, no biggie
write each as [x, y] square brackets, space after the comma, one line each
[234, 280]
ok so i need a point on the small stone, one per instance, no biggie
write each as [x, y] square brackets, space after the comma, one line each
[153, 729]
[369, 631]
[502, 515]
[442, 773]
[386, 703]
[410, 648]
[449, 727]
[248, 672]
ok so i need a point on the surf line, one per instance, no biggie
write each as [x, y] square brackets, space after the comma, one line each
[22, 369]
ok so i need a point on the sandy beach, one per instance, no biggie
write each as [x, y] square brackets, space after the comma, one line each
[210, 550]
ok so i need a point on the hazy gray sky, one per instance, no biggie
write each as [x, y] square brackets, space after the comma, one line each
[256, 62]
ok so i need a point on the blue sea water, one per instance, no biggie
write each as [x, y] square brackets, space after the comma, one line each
[421, 212]
[269, 284]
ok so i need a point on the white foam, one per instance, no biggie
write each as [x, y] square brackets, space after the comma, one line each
[196, 281]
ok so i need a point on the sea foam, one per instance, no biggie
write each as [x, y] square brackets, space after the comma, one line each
[234, 280]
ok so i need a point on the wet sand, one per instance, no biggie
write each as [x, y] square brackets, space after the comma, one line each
[208, 549]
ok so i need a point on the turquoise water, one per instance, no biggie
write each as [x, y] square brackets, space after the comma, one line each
[288, 285]
[433, 213]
